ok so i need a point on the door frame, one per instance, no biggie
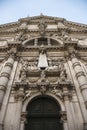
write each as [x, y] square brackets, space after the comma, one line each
[29, 99]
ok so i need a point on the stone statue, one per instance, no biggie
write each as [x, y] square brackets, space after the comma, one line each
[33, 67]
[43, 89]
[23, 69]
[42, 26]
[63, 74]
[23, 75]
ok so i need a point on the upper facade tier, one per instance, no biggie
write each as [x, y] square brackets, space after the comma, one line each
[39, 31]
[52, 24]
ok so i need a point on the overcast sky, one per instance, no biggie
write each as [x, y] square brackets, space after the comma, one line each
[72, 10]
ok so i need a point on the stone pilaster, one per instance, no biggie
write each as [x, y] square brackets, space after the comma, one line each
[4, 78]
[67, 97]
[19, 96]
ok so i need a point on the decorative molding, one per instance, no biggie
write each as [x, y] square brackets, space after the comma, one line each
[23, 117]
[42, 27]
[63, 116]
[4, 74]
[3, 88]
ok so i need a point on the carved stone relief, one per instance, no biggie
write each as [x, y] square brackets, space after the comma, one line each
[21, 37]
[42, 80]
[57, 92]
[42, 26]
[30, 72]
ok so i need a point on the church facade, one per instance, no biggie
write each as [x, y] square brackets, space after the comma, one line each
[43, 74]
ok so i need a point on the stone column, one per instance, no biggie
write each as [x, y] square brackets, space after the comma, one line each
[80, 76]
[4, 78]
[6, 97]
[79, 94]
[68, 109]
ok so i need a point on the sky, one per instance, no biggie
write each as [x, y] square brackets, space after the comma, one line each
[72, 10]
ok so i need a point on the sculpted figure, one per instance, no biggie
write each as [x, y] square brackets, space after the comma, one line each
[42, 26]
[20, 37]
[33, 66]
[23, 70]
[23, 75]
[63, 74]
[43, 89]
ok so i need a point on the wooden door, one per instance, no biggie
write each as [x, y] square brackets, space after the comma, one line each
[43, 114]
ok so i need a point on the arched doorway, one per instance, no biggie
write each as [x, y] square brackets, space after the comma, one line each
[43, 114]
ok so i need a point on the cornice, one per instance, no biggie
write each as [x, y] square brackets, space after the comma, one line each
[75, 45]
[48, 30]
[9, 24]
[4, 49]
[23, 47]
[48, 19]
[75, 24]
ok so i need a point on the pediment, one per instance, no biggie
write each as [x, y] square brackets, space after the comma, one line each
[31, 23]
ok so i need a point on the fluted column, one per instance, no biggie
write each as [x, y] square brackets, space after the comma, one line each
[81, 104]
[4, 78]
[80, 76]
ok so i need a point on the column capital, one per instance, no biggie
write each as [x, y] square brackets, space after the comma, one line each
[19, 89]
[19, 94]
[67, 95]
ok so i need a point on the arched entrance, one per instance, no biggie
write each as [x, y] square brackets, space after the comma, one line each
[43, 114]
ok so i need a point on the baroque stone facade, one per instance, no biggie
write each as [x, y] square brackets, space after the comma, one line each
[43, 56]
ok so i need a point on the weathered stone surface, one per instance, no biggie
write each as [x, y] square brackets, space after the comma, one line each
[43, 57]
